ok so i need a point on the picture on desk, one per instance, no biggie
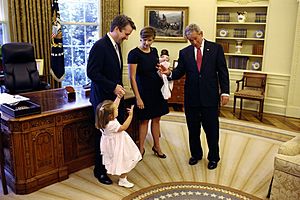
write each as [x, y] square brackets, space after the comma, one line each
[175, 63]
[40, 66]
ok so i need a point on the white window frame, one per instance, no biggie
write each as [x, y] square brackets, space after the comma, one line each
[4, 20]
[84, 24]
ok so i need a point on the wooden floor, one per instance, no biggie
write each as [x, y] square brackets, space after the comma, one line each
[277, 121]
[286, 123]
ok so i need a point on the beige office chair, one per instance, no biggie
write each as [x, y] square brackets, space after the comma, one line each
[252, 87]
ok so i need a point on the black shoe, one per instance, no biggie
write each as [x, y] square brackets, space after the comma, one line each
[143, 153]
[157, 154]
[212, 164]
[103, 178]
[193, 161]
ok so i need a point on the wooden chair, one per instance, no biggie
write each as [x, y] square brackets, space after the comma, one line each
[252, 87]
[2, 162]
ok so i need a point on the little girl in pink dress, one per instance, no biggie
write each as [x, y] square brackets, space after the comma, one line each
[120, 153]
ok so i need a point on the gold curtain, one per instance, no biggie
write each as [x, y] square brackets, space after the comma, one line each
[110, 8]
[30, 21]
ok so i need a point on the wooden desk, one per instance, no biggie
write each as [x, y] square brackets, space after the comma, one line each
[45, 148]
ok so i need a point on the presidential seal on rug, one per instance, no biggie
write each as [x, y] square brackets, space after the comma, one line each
[189, 191]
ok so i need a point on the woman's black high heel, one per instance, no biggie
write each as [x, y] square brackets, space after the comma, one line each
[143, 153]
[157, 154]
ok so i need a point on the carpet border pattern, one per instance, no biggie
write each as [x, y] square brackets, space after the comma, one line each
[163, 187]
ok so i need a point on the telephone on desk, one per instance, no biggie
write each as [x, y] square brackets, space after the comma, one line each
[87, 86]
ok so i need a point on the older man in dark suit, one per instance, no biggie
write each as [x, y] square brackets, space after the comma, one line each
[206, 86]
[104, 68]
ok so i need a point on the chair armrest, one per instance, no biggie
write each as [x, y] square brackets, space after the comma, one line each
[239, 80]
[291, 147]
[288, 164]
[238, 84]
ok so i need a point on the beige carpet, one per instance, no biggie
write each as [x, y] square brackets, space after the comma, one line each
[247, 155]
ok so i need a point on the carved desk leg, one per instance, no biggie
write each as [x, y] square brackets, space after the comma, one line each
[2, 163]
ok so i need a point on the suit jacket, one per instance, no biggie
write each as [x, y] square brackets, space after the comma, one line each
[204, 88]
[104, 70]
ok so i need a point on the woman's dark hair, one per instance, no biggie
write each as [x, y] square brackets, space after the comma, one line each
[148, 32]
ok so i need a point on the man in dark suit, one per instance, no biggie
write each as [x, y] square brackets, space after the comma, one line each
[104, 68]
[206, 87]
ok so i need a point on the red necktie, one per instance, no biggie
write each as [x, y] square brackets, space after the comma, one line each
[199, 59]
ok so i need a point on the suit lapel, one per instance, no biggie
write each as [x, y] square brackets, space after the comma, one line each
[206, 52]
[121, 59]
[191, 54]
[114, 53]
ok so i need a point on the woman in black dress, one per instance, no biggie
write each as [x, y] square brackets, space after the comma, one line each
[146, 84]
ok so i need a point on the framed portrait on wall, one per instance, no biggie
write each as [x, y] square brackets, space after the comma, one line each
[169, 22]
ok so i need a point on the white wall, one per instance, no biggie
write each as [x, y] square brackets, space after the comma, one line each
[199, 12]
[280, 36]
[278, 59]
[293, 105]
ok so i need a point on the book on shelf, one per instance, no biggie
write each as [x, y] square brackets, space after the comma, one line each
[240, 32]
[238, 62]
[257, 49]
[225, 46]
[261, 17]
[223, 17]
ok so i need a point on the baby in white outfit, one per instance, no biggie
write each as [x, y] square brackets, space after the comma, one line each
[168, 85]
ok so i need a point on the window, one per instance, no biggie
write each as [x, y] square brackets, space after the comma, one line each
[80, 20]
[4, 34]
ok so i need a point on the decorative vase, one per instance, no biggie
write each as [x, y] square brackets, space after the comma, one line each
[241, 16]
[239, 46]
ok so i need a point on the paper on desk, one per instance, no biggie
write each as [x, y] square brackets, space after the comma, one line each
[10, 99]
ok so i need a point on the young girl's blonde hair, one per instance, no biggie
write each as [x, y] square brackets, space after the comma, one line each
[104, 113]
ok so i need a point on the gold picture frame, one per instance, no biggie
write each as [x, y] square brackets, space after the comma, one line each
[169, 22]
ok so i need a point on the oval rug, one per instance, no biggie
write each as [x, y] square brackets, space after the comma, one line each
[189, 191]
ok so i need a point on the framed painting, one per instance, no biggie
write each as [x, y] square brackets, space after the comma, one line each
[169, 22]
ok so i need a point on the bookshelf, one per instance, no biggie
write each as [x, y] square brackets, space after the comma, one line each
[242, 36]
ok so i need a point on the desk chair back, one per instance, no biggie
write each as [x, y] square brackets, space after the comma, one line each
[20, 70]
